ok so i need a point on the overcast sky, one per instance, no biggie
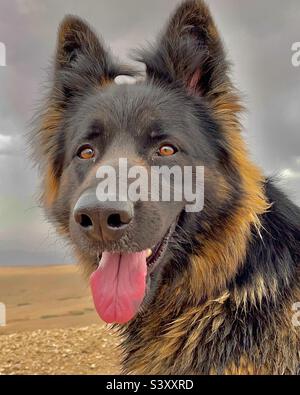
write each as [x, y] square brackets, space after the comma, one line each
[258, 35]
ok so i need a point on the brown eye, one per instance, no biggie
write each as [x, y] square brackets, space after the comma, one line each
[86, 153]
[167, 150]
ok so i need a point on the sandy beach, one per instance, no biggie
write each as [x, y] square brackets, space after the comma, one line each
[51, 326]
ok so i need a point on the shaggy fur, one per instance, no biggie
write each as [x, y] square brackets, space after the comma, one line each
[222, 302]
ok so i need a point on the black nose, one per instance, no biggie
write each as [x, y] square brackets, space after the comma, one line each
[105, 221]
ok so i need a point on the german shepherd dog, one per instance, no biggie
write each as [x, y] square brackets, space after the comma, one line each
[208, 292]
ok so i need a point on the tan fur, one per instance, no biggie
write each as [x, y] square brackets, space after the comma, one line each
[160, 340]
[51, 187]
[244, 367]
[51, 120]
[224, 253]
[173, 331]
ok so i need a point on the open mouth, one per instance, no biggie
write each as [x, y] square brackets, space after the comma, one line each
[155, 254]
[119, 284]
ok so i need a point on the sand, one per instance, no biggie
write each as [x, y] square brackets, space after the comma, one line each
[52, 327]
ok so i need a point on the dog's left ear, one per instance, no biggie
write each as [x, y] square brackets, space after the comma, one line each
[82, 60]
[76, 40]
[189, 52]
[82, 65]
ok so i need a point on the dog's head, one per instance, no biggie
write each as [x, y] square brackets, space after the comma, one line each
[173, 117]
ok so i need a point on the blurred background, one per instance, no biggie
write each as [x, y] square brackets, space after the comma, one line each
[258, 35]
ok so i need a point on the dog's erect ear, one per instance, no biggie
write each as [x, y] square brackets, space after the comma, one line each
[82, 61]
[189, 51]
[82, 66]
[76, 39]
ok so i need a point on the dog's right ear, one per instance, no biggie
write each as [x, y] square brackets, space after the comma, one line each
[82, 61]
[190, 52]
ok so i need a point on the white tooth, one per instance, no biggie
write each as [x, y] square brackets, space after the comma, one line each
[149, 252]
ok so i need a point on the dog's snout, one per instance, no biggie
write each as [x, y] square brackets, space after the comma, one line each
[105, 221]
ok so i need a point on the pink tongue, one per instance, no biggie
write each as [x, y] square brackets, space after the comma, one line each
[118, 286]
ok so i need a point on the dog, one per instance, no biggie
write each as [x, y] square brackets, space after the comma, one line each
[207, 292]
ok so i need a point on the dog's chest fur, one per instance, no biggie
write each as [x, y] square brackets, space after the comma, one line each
[214, 338]
[245, 329]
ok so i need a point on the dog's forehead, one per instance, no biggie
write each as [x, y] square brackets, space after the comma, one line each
[132, 99]
[135, 107]
[125, 88]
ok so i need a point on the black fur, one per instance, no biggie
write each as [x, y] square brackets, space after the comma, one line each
[225, 287]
